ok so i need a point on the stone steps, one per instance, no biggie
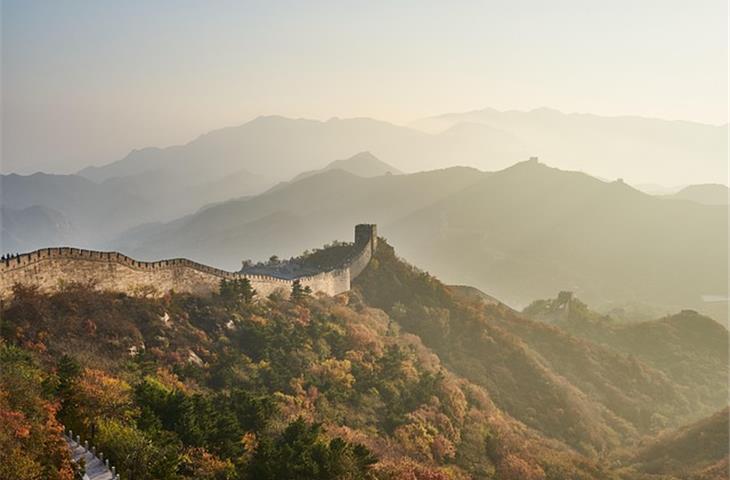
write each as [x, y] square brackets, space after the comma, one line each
[95, 468]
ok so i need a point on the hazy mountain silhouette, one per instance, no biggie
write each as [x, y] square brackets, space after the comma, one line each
[278, 148]
[272, 146]
[96, 211]
[519, 234]
[171, 194]
[530, 230]
[522, 233]
[639, 148]
[363, 164]
[708, 194]
[99, 211]
[32, 228]
[311, 211]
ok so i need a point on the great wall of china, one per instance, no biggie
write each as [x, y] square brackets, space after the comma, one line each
[49, 268]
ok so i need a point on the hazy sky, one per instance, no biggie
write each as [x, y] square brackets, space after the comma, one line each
[84, 82]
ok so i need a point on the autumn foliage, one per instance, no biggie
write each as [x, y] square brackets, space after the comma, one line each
[399, 379]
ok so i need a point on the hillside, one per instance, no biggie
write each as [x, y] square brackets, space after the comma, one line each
[31, 445]
[589, 396]
[689, 348]
[402, 377]
[697, 452]
[314, 386]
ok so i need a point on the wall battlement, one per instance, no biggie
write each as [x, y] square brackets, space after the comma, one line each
[48, 268]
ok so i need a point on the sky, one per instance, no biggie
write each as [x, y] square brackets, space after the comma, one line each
[85, 82]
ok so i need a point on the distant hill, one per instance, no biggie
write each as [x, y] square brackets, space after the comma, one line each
[97, 212]
[32, 228]
[62, 191]
[471, 293]
[689, 348]
[171, 194]
[708, 194]
[364, 164]
[520, 233]
[160, 184]
[278, 148]
[531, 230]
[309, 212]
[696, 452]
[274, 147]
[641, 149]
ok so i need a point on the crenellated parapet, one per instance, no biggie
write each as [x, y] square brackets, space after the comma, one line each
[49, 268]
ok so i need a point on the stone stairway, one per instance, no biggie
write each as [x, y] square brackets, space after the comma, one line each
[96, 467]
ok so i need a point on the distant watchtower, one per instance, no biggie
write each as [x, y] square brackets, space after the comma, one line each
[565, 300]
[364, 233]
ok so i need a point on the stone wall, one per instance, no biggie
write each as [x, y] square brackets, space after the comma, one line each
[49, 268]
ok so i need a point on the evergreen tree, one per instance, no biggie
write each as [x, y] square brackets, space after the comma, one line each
[298, 292]
[237, 291]
[69, 371]
[301, 452]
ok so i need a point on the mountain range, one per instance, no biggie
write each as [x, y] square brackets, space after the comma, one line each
[518, 231]
[521, 233]
[637, 148]
[278, 148]
[95, 212]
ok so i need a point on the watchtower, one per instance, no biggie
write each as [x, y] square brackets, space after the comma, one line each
[366, 233]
